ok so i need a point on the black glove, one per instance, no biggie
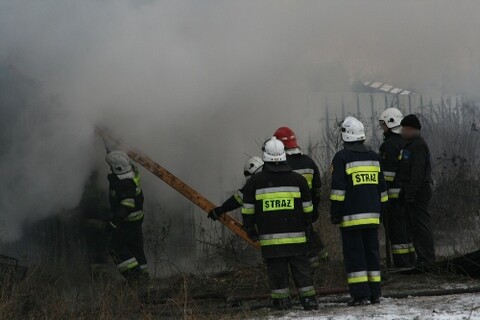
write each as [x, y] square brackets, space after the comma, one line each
[215, 214]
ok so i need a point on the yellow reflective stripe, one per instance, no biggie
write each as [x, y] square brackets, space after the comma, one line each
[238, 198]
[384, 197]
[134, 216]
[357, 277]
[309, 178]
[338, 195]
[363, 169]
[248, 208]
[308, 209]
[360, 222]
[389, 179]
[360, 219]
[127, 265]
[374, 276]
[272, 242]
[275, 195]
[128, 203]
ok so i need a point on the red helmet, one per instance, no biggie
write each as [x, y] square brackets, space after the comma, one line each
[287, 136]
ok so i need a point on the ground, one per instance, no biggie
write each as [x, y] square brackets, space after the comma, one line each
[464, 306]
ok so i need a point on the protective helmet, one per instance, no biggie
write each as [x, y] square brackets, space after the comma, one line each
[287, 136]
[274, 151]
[392, 118]
[119, 162]
[352, 130]
[252, 165]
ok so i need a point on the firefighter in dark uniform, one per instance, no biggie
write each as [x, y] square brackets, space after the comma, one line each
[126, 205]
[415, 178]
[277, 211]
[303, 164]
[395, 221]
[357, 193]
[252, 166]
[95, 221]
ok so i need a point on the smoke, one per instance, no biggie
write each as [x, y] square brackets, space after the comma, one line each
[195, 84]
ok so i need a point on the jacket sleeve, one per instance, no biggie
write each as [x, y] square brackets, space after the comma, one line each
[307, 204]
[233, 203]
[248, 207]
[389, 161]
[338, 187]
[419, 156]
[124, 193]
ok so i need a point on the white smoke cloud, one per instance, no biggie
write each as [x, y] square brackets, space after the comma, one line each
[196, 83]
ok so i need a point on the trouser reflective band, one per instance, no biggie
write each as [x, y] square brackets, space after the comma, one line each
[280, 293]
[384, 196]
[374, 276]
[389, 176]
[134, 216]
[128, 203]
[402, 248]
[144, 268]
[306, 291]
[127, 265]
[360, 219]
[394, 193]
[357, 277]
[338, 195]
[282, 238]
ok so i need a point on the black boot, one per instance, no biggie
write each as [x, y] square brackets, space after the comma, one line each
[309, 303]
[375, 300]
[282, 303]
[357, 302]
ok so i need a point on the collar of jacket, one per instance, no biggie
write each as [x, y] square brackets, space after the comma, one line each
[276, 167]
[415, 137]
[389, 133]
[356, 146]
[293, 151]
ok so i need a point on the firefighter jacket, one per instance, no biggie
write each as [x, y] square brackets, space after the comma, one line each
[278, 202]
[304, 165]
[126, 197]
[389, 162]
[358, 187]
[415, 168]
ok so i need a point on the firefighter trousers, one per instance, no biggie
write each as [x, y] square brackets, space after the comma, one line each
[421, 226]
[362, 262]
[316, 248]
[126, 247]
[279, 276]
[401, 245]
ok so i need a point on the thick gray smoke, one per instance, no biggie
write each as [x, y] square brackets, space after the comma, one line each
[195, 84]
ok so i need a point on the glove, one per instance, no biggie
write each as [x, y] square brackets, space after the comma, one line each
[215, 214]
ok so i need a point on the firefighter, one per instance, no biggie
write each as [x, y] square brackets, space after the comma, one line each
[252, 166]
[357, 192]
[395, 221]
[126, 204]
[277, 211]
[415, 178]
[95, 219]
[303, 164]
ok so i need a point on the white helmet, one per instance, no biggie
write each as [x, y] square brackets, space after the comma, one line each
[119, 162]
[392, 118]
[274, 151]
[352, 130]
[252, 165]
